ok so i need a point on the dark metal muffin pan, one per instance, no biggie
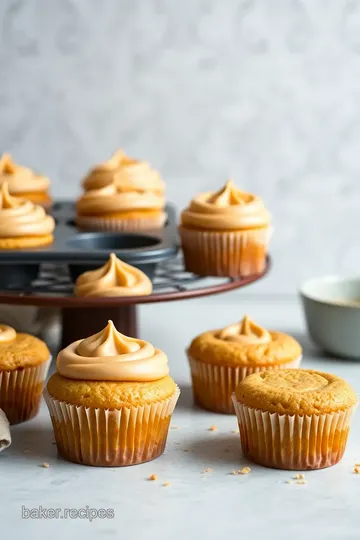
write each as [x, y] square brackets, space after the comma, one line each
[81, 251]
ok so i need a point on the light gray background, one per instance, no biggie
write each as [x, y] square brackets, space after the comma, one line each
[266, 91]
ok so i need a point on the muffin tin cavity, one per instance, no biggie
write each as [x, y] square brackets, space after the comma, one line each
[112, 241]
[16, 276]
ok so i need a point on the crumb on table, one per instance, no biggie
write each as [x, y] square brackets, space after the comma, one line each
[357, 469]
[244, 470]
[299, 477]
[212, 428]
[45, 465]
[167, 484]
[208, 470]
[153, 477]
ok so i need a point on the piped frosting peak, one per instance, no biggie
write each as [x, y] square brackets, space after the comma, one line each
[246, 332]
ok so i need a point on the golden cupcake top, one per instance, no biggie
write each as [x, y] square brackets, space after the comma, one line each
[226, 209]
[111, 356]
[20, 350]
[296, 391]
[115, 278]
[127, 173]
[21, 179]
[111, 199]
[19, 217]
[245, 343]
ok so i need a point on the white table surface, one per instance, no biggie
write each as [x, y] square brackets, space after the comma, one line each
[216, 505]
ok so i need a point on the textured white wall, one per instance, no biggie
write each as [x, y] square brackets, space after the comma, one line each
[265, 91]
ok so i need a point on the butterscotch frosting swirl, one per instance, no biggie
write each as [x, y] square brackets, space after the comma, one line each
[21, 179]
[246, 332]
[229, 208]
[111, 199]
[7, 333]
[127, 173]
[19, 217]
[111, 356]
[115, 278]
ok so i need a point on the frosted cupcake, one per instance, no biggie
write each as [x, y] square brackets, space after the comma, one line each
[225, 233]
[22, 223]
[24, 183]
[294, 419]
[24, 362]
[221, 359]
[115, 278]
[111, 400]
[122, 194]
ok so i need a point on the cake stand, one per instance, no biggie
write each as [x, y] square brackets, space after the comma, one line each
[81, 317]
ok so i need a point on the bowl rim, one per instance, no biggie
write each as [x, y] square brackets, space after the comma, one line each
[329, 278]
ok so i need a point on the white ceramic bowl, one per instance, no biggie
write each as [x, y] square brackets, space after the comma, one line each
[332, 312]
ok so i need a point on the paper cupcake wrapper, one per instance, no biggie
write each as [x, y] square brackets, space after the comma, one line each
[226, 253]
[121, 225]
[21, 391]
[293, 442]
[111, 438]
[213, 385]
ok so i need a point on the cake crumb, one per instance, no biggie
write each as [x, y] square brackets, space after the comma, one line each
[166, 484]
[299, 477]
[45, 465]
[301, 482]
[208, 470]
[357, 469]
[288, 481]
[244, 470]
[357, 465]
[153, 477]
[212, 428]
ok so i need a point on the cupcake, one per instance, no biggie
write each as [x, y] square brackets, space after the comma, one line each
[22, 223]
[220, 359]
[24, 183]
[24, 362]
[294, 419]
[115, 278]
[111, 400]
[122, 194]
[225, 233]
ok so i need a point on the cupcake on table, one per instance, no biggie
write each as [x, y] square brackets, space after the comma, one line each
[115, 278]
[225, 233]
[122, 194]
[111, 400]
[24, 183]
[23, 224]
[220, 359]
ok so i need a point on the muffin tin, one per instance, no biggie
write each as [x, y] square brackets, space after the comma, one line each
[81, 251]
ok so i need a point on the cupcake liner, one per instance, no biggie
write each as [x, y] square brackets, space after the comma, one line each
[21, 390]
[213, 385]
[293, 442]
[225, 253]
[121, 225]
[111, 438]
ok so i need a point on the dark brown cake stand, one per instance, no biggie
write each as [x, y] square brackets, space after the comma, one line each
[82, 317]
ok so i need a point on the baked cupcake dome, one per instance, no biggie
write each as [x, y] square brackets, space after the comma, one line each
[294, 419]
[22, 223]
[24, 362]
[111, 400]
[24, 183]
[115, 278]
[225, 233]
[122, 194]
[220, 359]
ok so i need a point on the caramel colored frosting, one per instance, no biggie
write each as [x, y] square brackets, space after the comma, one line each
[296, 391]
[111, 199]
[127, 173]
[245, 332]
[229, 208]
[115, 278]
[7, 333]
[111, 356]
[19, 217]
[21, 179]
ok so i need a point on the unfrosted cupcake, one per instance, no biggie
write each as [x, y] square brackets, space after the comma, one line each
[24, 183]
[294, 419]
[220, 359]
[22, 223]
[115, 278]
[111, 400]
[122, 194]
[225, 233]
[24, 362]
